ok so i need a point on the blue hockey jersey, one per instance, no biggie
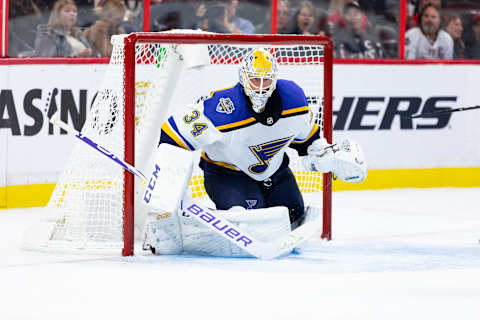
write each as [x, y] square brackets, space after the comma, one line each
[233, 136]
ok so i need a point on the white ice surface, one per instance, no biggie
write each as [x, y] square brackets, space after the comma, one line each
[396, 254]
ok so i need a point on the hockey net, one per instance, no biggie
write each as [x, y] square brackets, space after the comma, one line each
[93, 204]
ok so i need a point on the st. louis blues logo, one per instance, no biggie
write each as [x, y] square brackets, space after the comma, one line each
[225, 106]
[251, 204]
[265, 152]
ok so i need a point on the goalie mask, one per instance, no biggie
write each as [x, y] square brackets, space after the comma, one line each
[258, 75]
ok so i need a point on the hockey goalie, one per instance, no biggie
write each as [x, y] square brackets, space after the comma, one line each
[243, 133]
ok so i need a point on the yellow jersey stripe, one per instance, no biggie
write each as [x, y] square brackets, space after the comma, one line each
[218, 163]
[236, 124]
[314, 130]
[295, 110]
[171, 133]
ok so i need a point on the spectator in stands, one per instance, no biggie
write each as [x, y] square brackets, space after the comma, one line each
[388, 37]
[324, 28]
[176, 15]
[335, 13]
[472, 38]
[245, 26]
[282, 16]
[133, 20]
[23, 16]
[217, 19]
[355, 40]
[336, 10]
[112, 13]
[436, 3]
[201, 19]
[293, 7]
[222, 18]
[282, 19]
[413, 21]
[61, 37]
[428, 41]
[454, 27]
[85, 14]
[303, 21]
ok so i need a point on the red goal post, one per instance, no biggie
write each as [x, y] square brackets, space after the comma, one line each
[130, 43]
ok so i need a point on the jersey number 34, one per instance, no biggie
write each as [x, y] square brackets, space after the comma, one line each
[198, 128]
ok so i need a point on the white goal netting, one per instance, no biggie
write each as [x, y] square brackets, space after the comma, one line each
[86, 209]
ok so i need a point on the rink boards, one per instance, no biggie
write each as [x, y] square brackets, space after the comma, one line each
[370, 105]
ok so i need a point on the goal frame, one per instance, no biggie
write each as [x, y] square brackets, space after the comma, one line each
[194, 38]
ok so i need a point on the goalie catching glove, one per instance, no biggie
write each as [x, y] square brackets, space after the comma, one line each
[345, 160]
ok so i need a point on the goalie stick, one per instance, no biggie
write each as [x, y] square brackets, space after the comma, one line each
[208, 217]
[54, 120]
[434, 113]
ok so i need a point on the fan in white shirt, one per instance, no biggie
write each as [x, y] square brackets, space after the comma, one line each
[428, 41]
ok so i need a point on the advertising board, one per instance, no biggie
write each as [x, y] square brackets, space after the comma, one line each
[371, 105]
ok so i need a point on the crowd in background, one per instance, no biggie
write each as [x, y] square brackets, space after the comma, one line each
[69, 28]
[435, 29]
[443, 29]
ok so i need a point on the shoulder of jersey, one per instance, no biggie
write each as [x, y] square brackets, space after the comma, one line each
[227, 109]
[445, 36]
[293, 98]
[413, 32]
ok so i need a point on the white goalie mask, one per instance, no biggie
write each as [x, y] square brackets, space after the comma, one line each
[258, 75]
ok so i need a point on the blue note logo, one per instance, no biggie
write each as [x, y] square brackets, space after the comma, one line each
[251, 204]
[225, 106]
[265, 152]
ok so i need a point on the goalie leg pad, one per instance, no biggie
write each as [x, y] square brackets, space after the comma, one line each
[170, 171]
[162, 233]
[269, 224]
[312, 213]
[171, 168]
